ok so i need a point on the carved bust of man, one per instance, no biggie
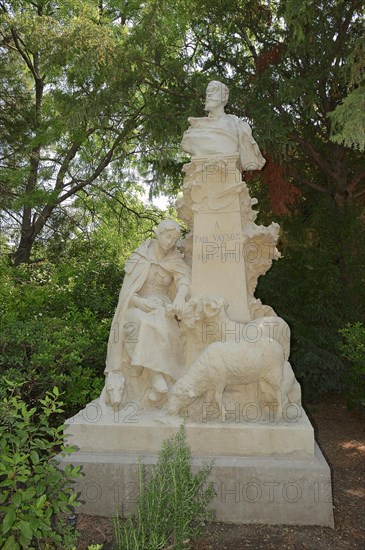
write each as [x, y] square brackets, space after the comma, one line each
[220, 133]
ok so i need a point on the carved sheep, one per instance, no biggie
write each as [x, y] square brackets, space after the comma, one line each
[206, 321]
[113, 390]
[226, 364]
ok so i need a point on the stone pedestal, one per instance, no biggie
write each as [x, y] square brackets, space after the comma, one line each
[214, 186]
[288, 482]
[240, 433]
[229, 251]
[255, 489]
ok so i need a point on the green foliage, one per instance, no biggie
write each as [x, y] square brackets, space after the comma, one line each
[348, 119]
[307, 287]
[309, 307]
[55, 321]
[352, 348]
[88, 89]
[33, 490]
[172, 504]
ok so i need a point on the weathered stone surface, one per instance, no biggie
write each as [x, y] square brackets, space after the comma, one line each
[221, 134]
[271, 490]
[240, 431]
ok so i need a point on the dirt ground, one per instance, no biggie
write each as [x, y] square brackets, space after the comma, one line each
[341, 436]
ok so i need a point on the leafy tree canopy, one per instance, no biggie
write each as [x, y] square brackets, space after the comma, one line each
[80, 86]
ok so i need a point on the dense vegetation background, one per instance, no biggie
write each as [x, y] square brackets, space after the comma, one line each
[94, 99]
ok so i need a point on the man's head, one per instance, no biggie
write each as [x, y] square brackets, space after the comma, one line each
[217, 95]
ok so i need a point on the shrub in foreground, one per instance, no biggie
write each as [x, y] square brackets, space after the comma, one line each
[172, 503]
[33, 491]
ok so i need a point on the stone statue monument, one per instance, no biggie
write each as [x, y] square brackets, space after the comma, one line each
[221, 134]
[190, 340]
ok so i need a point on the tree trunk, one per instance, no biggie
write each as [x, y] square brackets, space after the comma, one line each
[23, 251]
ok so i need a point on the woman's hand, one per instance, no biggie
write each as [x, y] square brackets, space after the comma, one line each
[147, 304]
[178, 305]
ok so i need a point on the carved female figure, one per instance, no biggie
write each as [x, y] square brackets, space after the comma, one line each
[145, 336]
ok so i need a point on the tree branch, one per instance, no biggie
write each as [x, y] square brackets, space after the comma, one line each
[316, 186]
[356, 180]
[131, 210]
[312, 153]
[98, 170]
[23, 53]
[12, 216]
[359, 193]
[343, 29]
[48, 209]
[70, 155]
[250, 45]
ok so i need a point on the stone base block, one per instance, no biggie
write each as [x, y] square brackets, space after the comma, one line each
[96, 428]
[264, 489]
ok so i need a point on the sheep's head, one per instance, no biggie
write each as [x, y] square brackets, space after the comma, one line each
[114, 385]
[181, 397]
[203, 307]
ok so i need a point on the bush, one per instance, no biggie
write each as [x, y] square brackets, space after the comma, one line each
[172, 504]
[353, 349]
[55, 322]
[33, 489]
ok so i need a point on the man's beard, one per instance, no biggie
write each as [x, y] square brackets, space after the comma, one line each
[211, 104]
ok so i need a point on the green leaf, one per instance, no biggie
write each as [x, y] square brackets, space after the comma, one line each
[29, 494]
[41, 444]
[11, 544]
[34, 456]
[8, 520]
[41, 502]
[8, 459]
[26, 532]
[34, 523]
[17, 499]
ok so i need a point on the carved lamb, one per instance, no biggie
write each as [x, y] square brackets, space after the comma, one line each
[228, 364]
